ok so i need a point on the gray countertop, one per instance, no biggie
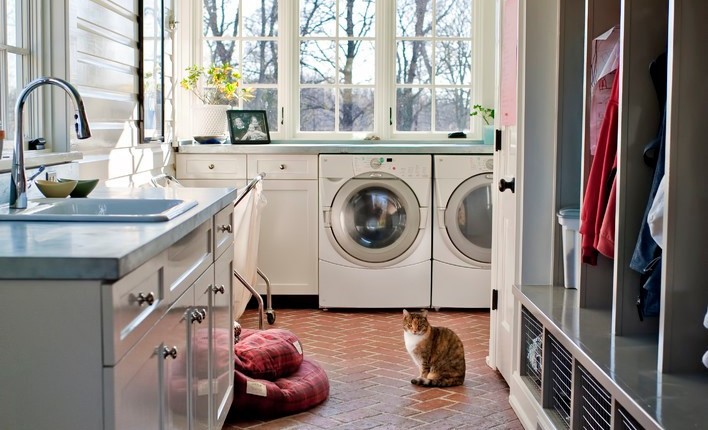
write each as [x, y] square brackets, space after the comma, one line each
[341, 147]
[101, 250]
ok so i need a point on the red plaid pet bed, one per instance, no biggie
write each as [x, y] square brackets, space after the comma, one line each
[304, 389]
[267, 354]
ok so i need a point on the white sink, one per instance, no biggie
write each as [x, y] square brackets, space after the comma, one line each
[99, 210]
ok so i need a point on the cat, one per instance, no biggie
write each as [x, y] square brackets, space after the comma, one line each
[437, 351]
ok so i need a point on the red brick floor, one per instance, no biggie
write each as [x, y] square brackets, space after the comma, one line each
[370, 371]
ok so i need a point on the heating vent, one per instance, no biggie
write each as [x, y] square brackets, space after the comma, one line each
[532, 338]
[625, 421]
[561, 374]
[595, 404]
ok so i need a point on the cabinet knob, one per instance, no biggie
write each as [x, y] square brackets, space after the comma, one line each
[141, 298]
[169, 352]
[196, 316]
[281, 167]
[225, 228]
[219, 289]
[203, 313]
[211, 166]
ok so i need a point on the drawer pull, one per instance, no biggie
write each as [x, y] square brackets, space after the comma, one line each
[141, 298]
[219, 289]
[203, 313]
[225, 228]
[169, 352]
[211, 166]
[196, 316]
[281, 167]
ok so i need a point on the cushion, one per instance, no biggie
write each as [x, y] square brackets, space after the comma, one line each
[304, 389]
[267, 354]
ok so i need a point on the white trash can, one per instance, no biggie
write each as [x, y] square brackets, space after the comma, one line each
[569, 219]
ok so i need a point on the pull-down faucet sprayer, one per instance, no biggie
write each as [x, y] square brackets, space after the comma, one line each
[18, 182]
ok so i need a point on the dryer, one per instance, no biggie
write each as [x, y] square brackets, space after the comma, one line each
[375, 231]
[462, 232]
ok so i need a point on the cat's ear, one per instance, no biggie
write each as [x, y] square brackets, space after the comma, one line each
[424, 312]
[405, 313]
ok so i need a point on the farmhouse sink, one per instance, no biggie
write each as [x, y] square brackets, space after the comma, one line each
[98, 210]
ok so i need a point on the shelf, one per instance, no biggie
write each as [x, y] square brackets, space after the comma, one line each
[626, 366]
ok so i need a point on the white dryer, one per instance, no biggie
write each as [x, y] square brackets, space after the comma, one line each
[462, 231]
[375, 235]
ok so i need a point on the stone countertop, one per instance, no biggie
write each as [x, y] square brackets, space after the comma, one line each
[101, 250]
[341, 147]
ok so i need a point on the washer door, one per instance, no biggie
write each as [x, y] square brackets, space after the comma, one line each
[468, 218]
[375, 220]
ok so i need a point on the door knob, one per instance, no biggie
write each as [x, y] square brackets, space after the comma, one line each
[506, 185]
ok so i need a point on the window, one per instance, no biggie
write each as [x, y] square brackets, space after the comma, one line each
[341, 68]
[14, 59]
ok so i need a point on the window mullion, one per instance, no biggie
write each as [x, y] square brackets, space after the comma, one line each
[288, 56]
[385, 92]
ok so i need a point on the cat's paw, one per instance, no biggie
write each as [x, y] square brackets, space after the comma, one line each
[416, 381]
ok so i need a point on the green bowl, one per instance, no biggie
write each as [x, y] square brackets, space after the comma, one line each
[54, 189]
[83, 187]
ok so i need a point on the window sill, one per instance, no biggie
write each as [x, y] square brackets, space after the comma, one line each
[38, 158]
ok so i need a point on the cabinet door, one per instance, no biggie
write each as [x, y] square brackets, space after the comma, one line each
[213, 356]
[287, 251]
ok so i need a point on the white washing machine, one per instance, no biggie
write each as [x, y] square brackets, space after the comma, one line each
[462, 231]
[375, 231]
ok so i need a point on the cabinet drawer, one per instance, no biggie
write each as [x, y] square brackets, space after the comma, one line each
[211, 166]
[131, 306]
[223, 230]
[283, 166]
[187, 259]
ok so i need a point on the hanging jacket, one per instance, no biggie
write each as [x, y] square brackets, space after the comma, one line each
[599, 184]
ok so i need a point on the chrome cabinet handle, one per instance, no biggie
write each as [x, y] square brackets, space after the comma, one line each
[219, 289]
[195, 316]
[203, 313]
[507, 185]
[141, 298]
[281, 167]
[169, 352]
[211, 166]
[225, 228]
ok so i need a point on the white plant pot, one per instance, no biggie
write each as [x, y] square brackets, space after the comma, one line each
[210, 120]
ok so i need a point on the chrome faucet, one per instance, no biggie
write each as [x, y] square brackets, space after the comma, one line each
[18, 182]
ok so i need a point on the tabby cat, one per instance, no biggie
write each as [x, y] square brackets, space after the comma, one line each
[437, 351]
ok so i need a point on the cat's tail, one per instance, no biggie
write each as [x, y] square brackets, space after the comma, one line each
[440, 382]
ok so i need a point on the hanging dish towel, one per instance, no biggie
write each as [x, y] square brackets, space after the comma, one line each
[247, 228]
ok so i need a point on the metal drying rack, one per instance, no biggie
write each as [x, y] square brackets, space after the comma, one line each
[269, 312]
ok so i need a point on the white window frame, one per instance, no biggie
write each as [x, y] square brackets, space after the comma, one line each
[482, 87]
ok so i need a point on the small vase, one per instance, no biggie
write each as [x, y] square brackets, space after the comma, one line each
[210, 120]
[488, 134]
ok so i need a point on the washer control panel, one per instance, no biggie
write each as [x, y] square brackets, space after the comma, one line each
[400, 166]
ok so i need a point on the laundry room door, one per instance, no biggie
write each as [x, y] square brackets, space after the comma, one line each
[504, 233]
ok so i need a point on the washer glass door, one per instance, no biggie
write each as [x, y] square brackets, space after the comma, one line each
[375, 220]
[468, 218]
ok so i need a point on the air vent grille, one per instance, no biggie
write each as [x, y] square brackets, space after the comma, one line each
[532, 340]
[561, 376]
[595, 404]
[626, 422]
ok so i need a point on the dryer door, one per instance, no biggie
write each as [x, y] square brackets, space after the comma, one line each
[468, 218]
[375, 219]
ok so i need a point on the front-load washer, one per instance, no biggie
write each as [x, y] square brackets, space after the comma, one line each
[375, 236]
[462, 231]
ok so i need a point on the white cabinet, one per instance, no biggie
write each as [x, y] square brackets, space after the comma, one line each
[127, 354]
[288, 241]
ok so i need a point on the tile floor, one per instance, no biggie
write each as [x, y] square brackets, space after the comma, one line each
[369, 372]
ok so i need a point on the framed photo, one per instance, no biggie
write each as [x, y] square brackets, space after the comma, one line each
[248, 126]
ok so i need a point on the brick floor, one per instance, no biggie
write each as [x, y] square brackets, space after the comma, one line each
[370, 371]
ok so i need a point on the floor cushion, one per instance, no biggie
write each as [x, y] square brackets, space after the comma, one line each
[307, 387]
[267, 354]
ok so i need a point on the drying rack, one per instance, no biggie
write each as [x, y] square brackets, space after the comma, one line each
[269, 312]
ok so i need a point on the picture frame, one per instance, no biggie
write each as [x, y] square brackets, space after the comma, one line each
[248, 126]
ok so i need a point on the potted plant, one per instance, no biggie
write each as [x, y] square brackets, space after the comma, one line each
[487, 115]
[217, 88]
